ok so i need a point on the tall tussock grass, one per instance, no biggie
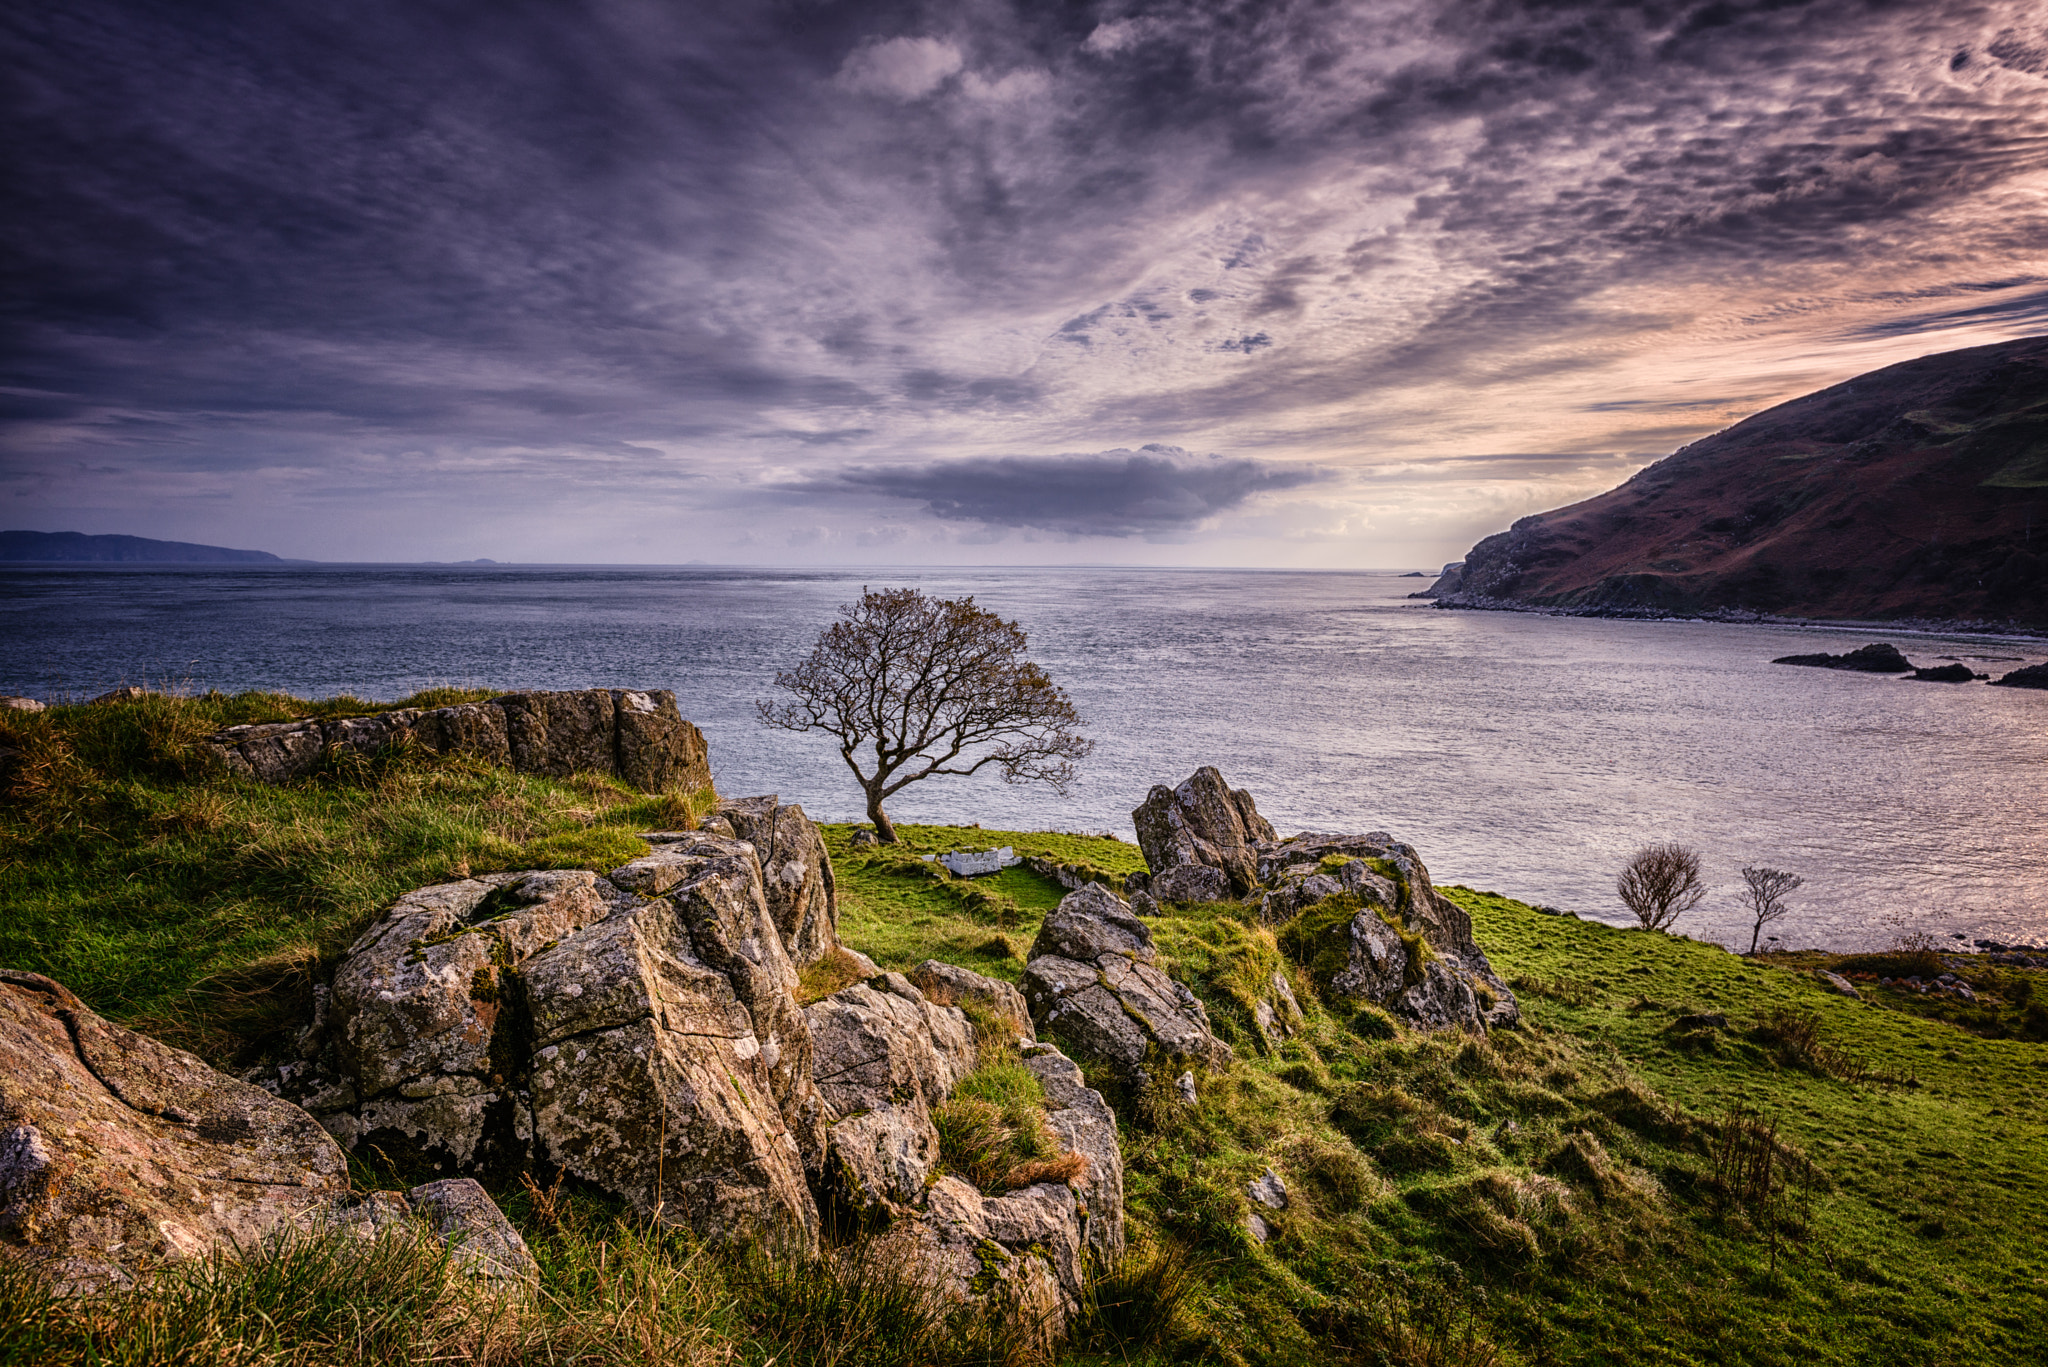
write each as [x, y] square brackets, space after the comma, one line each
[614, 1292]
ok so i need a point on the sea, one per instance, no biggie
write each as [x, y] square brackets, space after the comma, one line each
[1519, 753]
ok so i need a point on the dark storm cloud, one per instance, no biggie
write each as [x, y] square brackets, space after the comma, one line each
[437, 244]
[1111, 493]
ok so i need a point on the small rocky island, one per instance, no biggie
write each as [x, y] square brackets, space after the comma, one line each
[1884, 658]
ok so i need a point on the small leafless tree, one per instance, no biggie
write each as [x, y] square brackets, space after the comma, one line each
[1766, 890]
[914, 687]
[1660, 883]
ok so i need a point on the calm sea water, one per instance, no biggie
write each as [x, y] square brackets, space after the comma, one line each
[1524, 754]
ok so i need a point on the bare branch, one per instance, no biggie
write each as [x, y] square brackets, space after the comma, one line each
[921, 687]
[1660, 883]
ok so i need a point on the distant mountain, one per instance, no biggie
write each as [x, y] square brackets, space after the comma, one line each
[1919, 490]
[78, 547]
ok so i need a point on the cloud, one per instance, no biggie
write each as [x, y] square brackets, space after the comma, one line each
[1154, 490]
[469, 256]
[900, 68]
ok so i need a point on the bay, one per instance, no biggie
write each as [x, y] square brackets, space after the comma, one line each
[1525, 754]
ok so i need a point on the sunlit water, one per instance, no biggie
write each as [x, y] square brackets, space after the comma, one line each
[1519, 753]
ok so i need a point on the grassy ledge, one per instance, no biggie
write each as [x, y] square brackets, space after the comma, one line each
[1683, 1156]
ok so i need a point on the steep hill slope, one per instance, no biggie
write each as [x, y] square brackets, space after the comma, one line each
[1919, 490]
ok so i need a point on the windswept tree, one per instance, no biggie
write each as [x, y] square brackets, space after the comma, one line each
[1765, 890]
[1660, 883]
[914, 687]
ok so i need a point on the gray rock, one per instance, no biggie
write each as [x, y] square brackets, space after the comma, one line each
[1257, 1228]
[877, 1043]
[1453, 985]
[1836, 983]
[118, 1153]
[1086, 1125]
[629, 734]
[1094, 984]
[797, 872]
[952, 985]
[1277, 1015]
[883, 1160]
[1091, 923]
[480, 1239]
[1020, 1252]
[1268, 1190]
[14, 704]
[1202, 822]
[1186, 1084]
[639, 1031]
[1190, 883]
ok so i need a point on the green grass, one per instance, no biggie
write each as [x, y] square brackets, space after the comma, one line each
[203, 908]
[1813, 1180]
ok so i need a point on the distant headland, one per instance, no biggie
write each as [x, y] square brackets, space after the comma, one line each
[1916, 491]
[79, 548]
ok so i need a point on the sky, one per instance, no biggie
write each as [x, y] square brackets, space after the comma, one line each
[1281, 283]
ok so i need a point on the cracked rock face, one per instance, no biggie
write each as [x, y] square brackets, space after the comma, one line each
[1202, 823]
[1093, 983]
[638, 1031]
[1364, 956]
[118, 1153]
[634, 735]
[1406, 948]
[796, 872]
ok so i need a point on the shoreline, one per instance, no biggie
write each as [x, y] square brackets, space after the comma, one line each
[1904, 626]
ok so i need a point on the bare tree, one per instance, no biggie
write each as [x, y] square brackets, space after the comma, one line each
[1660, 883]
[914, 687]
[1766, 890]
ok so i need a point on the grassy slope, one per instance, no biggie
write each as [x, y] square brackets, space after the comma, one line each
[1563, 1193]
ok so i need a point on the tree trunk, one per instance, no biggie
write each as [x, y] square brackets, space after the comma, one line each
[1755, 935]
[883, 830]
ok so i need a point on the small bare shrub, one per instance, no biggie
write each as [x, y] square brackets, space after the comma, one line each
[1660, 883]
[1765, 889]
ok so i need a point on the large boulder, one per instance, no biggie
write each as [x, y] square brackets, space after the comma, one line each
[630, 734]
[883, 1056]
[1020, 1252]
[1093, 982]
[797, 872]
[1084, 1124]
[118, 1153]
[638, 1031]
[1361, 915]
[1202, 822]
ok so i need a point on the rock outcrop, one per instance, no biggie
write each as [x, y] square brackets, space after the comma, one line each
[2031, 676]
[1879, 658]
[1362, 916]
[1093, 982]
[1359, 910]
[1202, 823]
[637, 1031]
[884, 1056]
[632, 735]
[1955, 673]
[118, 1154]
[990, 998]
[796, 870]
[640, 1031]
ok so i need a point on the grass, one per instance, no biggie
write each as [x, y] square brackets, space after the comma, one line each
[203, 908]
[1684, 1156]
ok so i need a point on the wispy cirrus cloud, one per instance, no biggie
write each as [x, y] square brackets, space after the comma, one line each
[471, 257]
